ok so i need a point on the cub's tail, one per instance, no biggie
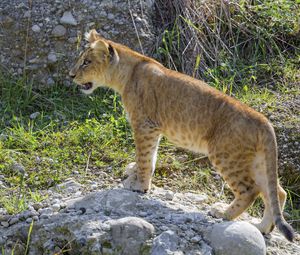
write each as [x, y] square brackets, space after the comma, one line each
[271, 164]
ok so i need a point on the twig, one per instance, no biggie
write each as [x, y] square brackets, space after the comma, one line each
[88, 162]
[135, 28]
[26, 39]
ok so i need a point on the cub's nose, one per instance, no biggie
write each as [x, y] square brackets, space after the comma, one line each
[72, 75]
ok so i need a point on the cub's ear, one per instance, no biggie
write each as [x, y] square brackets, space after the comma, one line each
[101, 46]
[113, 55]
[92, 36]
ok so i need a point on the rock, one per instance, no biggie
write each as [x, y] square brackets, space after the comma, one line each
[13, 220]
[68, 19]
[131, 233]
[18, 168]
[59, 31]
[236, 238]
[29, 220]
[55, 207]
[196, 239]
[169, 195]
[50, 81]
[108, 222]
[37, 206]
[4, 224]
[36, 28]
[59, 26]
[196, 197]
[34, 115]
[69, 186]
[165, 243]
[52, 58]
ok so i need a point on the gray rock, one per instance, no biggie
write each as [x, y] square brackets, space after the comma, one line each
[27, 14]
[5, 224]
[196, 197]
[236, 238]
[169, 195]
[98, 223]
[52, 58]
[18, 168]
[131, 233]
[50, 81]
[69, 186]
[34, 115]
[28, 220]
[165, 243]
[13, 220]
[55, 207]
[59, 31]
[68, 19]
[36, 29]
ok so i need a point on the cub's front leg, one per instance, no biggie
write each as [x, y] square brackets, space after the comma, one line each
[140, 174]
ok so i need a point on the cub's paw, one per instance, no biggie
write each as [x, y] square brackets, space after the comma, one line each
[132, 182]
[217, 210]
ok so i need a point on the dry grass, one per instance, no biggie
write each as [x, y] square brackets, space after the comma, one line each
[200, 37]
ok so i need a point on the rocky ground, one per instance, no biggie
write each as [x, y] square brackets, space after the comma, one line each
[42, 38]
[85, 219]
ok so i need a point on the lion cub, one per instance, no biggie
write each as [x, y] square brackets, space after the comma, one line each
[239, 141]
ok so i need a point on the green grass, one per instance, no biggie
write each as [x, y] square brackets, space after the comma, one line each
[37, 153]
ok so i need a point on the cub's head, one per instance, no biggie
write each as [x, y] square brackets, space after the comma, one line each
[91, 68]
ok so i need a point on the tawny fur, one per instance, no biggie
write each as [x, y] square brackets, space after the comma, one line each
[239, 141]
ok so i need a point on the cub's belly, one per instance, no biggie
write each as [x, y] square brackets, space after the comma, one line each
[194, 143]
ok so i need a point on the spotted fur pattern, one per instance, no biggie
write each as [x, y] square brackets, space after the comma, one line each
[239, 141]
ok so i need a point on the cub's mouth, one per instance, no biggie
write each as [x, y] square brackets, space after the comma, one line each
[86, 86]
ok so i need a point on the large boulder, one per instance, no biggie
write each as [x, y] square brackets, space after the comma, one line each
[236, 238]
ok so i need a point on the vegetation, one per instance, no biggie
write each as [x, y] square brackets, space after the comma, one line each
[249, 49]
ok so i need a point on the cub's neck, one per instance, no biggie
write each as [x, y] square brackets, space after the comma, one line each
[121, 72]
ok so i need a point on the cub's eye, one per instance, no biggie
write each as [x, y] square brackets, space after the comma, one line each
[86, 62]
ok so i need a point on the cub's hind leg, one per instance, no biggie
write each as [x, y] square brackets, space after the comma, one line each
[267, 223]
[235, 169]
[146, 144]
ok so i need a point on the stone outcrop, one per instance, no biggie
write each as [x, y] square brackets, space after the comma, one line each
[119, 221]
[42, 38]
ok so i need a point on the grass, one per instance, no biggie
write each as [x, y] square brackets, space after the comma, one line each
[39, 152]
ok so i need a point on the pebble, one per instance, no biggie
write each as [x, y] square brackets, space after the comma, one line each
[55, 207]
[34, 115]
[110, 16]
[169, 195]
[46, 211]
[4, 224]
[68, 19]
[59, 31]
[17, 167]
[55, 201]
[50, 81]
[44, 216]
[27, 14]
[28, 220]
[196, 239]
[35, 218]
[143, 214]
[94, 186]
[13, 220]
[36, 28]
[52, 58]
